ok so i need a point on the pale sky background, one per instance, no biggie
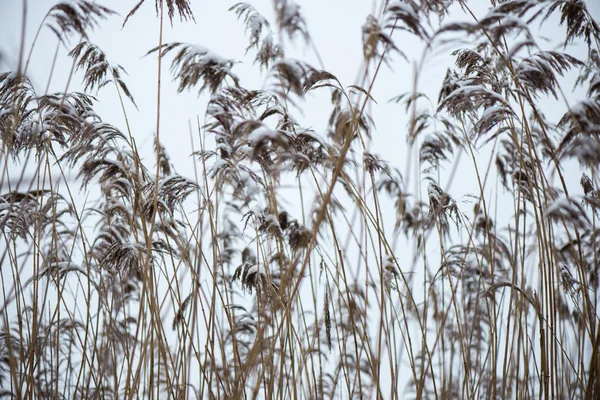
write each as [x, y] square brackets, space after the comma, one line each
[335, 26]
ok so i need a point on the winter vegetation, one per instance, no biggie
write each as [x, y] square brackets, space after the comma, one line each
[292, 261]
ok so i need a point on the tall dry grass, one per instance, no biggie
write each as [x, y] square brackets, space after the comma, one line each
[135, 282]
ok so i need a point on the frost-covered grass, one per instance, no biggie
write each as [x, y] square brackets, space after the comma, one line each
[297, 263]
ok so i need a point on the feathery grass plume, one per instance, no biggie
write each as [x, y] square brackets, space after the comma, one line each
[517, 170]
[390, 275]
[537, 72]
[569, 210]
[421, 118]
[96, 67]
[412, 218]
[20, 212]
[10, 349]
[327, 315]
[264, 142]
[193, 64]
[225, 110]
[298, 236]
[590, 75]
[79, 16]
[163, 159]
[179, 318]
[575, 15]
[171, 192]
[267, 52]
[184, 9]
[408, 15]
[442, 206]
[582, 138]
[123, 257]
[437, 148]
[569, 284]
[316, 79]
[460, 96]
[289, 76]
[265, 223]
[373, 164]
[591, 196]
[255, 23]
[307, 150]
[95, 140]
[377, 43]
[35, 122]
[252, 278]
[106, 170]
[290, 19]
[18, 114]
[345, 125]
